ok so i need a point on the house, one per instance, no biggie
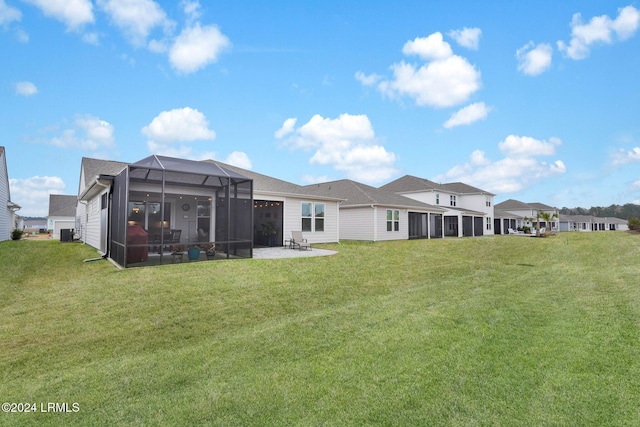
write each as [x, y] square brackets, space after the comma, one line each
[373, 214]
[134, 213]
[592, 223]
[514, 212]
[149, 211]
[468, 211]
[8, 209]
[62, 213]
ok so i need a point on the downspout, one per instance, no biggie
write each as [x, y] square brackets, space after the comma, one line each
[96, 181]
[375, 223]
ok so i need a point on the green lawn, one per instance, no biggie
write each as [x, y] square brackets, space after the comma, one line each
[499, 330]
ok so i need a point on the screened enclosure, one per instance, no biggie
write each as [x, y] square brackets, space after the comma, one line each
[167, 210]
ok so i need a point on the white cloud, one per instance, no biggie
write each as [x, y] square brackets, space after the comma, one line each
[623, 157]
[534, 59]
[347, 143]
[445, 80]
[428, 48]
[191, 9]
[367, 80]
[600, 29]
[169, 130]
[136, 18]
[635, 185]
[442, 83]
[32, 194]
[468, 115]
[467, 37]
[526, 146]
[517, 170]
[89, 133]
[239, 159]
[26, 88]
[196, 47]
[287, 127]
[73, 13]
[181, 124]
[8, 14]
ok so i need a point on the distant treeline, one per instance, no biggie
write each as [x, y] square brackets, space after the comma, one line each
[624, 212]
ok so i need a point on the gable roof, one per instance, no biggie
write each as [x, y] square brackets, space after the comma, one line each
[62, 205]
[409, 183]
[356, 194]
[414, 184]
[269, 185]
[512, 204]
[96, 167]
[462, 188]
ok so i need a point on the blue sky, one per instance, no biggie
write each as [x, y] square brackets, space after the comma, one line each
[537, 101]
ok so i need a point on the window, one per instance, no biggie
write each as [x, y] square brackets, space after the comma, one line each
[437, 198]
[313, 217]
[319, 217]
[306, 216]
[488, 223]
[393, 220]
[452, 200]
[488, 201]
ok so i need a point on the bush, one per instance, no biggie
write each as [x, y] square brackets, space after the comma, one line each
[16, 234]
[634, 224]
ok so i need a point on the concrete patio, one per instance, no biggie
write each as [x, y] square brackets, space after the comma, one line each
[280, 252]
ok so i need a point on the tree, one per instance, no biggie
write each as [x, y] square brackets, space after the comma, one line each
[634, 224]
[547, 217]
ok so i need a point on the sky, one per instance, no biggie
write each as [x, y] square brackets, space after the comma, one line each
[534, 101]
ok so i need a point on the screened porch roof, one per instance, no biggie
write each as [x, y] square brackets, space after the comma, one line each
[184, 172]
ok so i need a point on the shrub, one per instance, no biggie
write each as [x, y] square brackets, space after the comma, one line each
[16, 234]
[634, 224]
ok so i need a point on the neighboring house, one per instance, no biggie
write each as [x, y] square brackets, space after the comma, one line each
[468, 211]
[7, 207]
[290, 207]
[62, 213]
[525, 214]
[372, 214]
[592, 223]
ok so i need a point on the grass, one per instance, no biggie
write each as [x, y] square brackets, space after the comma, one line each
[477, 331]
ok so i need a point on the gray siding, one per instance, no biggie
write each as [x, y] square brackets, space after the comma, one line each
[5, 213]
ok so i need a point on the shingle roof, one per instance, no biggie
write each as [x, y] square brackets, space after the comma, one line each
[262, 182]
[96, 167]
[62, 205]
[462, 188]
[358, 194]
[409, 184]
[511, 204]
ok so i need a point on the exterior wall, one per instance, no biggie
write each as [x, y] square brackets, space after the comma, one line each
[381, 225]
[292, 220]
[429, 197]
[89, 218]
[478, 203]
[57, 223]
[6, 217]
[357, 223]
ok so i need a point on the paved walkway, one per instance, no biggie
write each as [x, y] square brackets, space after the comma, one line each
[280, 252]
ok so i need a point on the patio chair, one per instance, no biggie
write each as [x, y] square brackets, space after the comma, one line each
[299, 241]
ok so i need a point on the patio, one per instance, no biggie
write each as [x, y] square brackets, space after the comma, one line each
[280, 252]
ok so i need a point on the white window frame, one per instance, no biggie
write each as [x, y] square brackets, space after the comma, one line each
[313, 217]
[393, 224]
